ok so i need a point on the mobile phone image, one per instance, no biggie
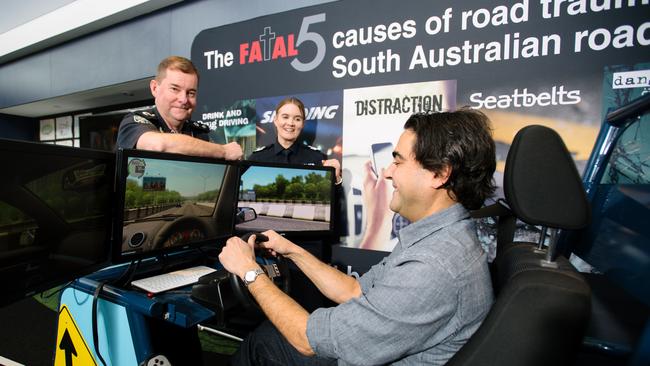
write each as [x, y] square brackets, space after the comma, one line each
[382, 156]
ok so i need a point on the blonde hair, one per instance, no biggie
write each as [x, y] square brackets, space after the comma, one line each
[291, 100]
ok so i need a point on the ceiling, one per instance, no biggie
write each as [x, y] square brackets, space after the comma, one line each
[125, 93]
[29, 26]
[46, 25]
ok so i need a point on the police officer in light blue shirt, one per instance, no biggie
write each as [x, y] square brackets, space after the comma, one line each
[419, 305]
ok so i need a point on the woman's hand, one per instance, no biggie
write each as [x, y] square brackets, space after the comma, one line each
[337, 167]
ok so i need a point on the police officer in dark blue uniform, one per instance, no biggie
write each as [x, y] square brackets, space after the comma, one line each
[167, 127]
[135, 124]
[289, 121]
[297, 153]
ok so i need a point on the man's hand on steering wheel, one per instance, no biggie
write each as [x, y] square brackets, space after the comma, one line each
[238, 256]
[276, 244]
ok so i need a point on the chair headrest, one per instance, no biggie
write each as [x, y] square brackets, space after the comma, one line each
[541, 182]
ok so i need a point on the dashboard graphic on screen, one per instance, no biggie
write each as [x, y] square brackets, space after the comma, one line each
[287, 199]
[172, 202]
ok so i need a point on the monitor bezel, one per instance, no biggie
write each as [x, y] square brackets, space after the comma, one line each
[298, 235]
[122, 158]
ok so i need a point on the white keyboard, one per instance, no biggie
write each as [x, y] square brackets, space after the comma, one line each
[172, 280]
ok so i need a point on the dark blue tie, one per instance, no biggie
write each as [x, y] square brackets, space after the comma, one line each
[286, 153]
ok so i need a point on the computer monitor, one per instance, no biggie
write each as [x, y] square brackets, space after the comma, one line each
[295, 200]
[170, 202]
[55, 215]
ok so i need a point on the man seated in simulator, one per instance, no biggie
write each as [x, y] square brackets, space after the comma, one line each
[168, 127]
[419, 305]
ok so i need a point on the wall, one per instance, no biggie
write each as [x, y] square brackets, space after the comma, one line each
[527, 62]
[125, 52]
[18, 128]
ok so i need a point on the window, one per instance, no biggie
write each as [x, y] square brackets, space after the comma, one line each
[630, 160]
[62, 130]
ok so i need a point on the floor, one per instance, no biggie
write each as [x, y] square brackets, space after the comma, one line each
[28, 337]
[28, 333]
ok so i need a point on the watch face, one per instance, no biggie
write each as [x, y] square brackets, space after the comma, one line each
[250, 276]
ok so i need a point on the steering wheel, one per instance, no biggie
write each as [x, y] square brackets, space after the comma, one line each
[282, 281]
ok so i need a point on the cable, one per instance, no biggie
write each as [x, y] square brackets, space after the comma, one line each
[99, 288]
[128, 274]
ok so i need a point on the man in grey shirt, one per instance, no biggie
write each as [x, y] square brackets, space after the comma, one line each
[420, 304]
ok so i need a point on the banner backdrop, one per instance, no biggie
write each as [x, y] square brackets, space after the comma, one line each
[362, 67]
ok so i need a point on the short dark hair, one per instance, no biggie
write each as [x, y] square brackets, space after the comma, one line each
[461, 140]
[175, 63]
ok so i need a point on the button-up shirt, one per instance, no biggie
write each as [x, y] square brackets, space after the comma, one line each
[419, 305]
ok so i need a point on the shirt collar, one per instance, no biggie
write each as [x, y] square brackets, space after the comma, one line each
[163, 124]
[430, 224]
[277, 148]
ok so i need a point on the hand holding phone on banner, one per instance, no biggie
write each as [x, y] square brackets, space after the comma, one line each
[376, 198]
[381, 157]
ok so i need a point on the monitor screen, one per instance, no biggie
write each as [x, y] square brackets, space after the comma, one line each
[170, 202]
[55, 215]
[294, 200]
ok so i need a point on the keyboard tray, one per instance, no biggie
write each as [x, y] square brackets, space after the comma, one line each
[171, 280]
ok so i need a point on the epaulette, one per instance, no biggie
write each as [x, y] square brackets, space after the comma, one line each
[144, 117]
[313, 148]
[262, 148]
[148, 114]
[199, 126]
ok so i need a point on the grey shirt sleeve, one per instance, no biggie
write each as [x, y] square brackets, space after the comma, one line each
[392, 318]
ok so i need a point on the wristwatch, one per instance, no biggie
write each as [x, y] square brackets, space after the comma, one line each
[251, 276]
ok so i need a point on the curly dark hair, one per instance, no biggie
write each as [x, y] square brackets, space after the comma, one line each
[462, 140]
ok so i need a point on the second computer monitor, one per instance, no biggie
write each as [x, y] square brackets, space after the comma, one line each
[293, 200]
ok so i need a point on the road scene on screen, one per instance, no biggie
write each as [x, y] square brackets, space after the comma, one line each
[286, 199]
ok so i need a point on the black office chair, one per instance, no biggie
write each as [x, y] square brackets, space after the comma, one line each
[542, 303]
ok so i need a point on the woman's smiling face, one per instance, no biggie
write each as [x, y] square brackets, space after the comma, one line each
[289, 121]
